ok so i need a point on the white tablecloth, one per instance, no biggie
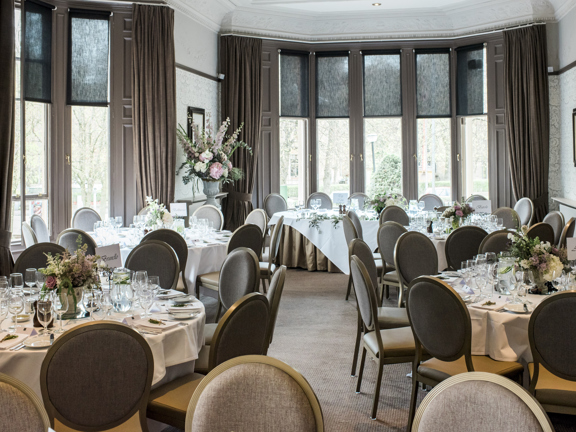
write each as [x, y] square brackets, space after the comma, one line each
[174, 351]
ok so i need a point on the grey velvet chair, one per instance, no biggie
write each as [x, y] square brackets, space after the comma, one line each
[389, 346]
[357, 223]
[28, 235]
[567, 231]
[40, 229]
[556, 220]
[462, 244]
[20, 408]
[212, 213]
[114, 365]
[144, 211]
[395, 214]
[362, 198]
[431, 201]
[442, 209]
[496, 242]
[326, 200]
[274, 203]
[388, 234]
[476, 198]
[388, 317]
[553, 373]
[158, 259]
[241, 331]
[259, 218]
[84, 219]
[525, 209]
[69, 240]
[509, 217]
[35, 256]
[176, 242]
[268, 267]
[274, 296]
[277, 397]
[482, 402]
[414, 255]
[441, 325]
[543, 231]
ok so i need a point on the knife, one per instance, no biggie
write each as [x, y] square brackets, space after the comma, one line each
[51, 338]
[526, 308]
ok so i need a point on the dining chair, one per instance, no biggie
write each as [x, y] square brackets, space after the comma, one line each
[442, 209]
[395, 214]
[476, 198]
[144, 211]
[158, 259]
[388, 234]
[552, 336]
[73, 239]
[567, 231]
[487, 401]
[267, 267]
[35, 256]
[259, 218]
[462, 244]
[496, 242]
[326, 200]
[241, 331]
[388, 317]
[84, 219]
[276, 396]
[543, 231]
[247, 236]
[212, 213]
[350, 234]
[28, 235]
[363, 199]
[274, 203]
[356, 222]
[274, 295]
[509, 217]
[414, 255]
[98, 376]
[40, 229]
[20, 407]
[431, 202]
[556, 220]
[441, 325]
[525, 209]
[176, 242]
[388, 346]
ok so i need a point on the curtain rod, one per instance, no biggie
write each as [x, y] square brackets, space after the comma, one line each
[389, 39]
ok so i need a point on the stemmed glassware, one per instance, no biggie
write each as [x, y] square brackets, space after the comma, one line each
[90, 300]
[517, 282]
[146, 299]
[60, 305]
[17, 283]
[44, 314]
[30, 278]
[154, 283]
[118, 221]
[106, 304]
[15, 307]
[421, 205]
[4, 289]
[3, 312]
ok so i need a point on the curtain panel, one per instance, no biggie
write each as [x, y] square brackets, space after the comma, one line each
[241, 64]
[527, 114]
[154, 102]
[7, 113]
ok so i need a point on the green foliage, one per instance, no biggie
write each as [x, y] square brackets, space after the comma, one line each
[388, 176]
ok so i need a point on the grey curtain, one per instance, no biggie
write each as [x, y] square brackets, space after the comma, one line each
[6, 131]
[241, 64]
[527, 114]
[154, 102]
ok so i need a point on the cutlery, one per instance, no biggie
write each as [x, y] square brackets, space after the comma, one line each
[525, 308]
[17, 347]
[51, 338]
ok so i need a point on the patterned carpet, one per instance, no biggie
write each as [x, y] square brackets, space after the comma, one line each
[315, 334]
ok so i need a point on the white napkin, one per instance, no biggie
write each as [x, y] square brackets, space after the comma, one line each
[22, 336]
[171, 294]
[146, 324]
[190, 307]
[498, 304]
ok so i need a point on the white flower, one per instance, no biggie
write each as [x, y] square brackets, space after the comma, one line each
[167, 218]
[524, 229]
[225, 172]
[525, 264]
[510, 236]
[206, 156]
[200, 167]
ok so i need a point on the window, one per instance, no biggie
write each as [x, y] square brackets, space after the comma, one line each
[293, 160]
[332, 155]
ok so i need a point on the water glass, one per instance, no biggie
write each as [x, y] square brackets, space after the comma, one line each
[60, 306]
[15, 307]
[30, 278]
[154, 283]
[90, 300]
[3, 312]
[515, 287]
[17, 282]
[146, 299]
[40, 280]
[44, 314]
[4, 289]
[421, 205]
[121, 296]
[500, 224]
[118, 221]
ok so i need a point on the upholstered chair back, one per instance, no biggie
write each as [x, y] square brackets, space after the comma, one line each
[73, 239]
[431, 202]
[363, 199]
[388, 234]
[20, 408]
[158, 259]
[212, 213]
[496, 242]
[248, 236]
[395, 214]
[257, 217]
[274, 295]
[84, 219]
[365, 293]
[275, 240]
[543, 231]
[360, 249]
[35, 256]
[567, 231]
[476, 198]
[239, 275]
[556, 220]
[274, 203]
[326, 200]
[509, 217]
[350, 232]
[525, 209]
[357, 224]
[28, 235]
[174, 239]
[462, 244]
[415, 255]
[40, 228]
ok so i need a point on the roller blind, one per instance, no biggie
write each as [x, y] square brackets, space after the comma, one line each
[382, 85]
[294, 84]
[433, 84]
[332, 92]
[38, 52]
[471, 81]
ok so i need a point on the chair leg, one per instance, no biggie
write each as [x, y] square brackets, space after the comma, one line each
[377, 392]
[357, 346]
[263, 285]
[387, 291]
[349, 287]
[413, 400]
[362, 362]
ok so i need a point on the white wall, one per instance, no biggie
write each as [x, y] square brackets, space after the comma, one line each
[196, 45]
[567, 38]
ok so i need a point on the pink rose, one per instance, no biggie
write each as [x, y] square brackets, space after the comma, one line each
[50, 282]
[216, 170]
[459, 213]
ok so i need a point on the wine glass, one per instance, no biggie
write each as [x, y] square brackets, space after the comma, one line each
[60, 305]
[3, 312]
[44, 314]
[15, 307]
[491, 258]
[500, 223]
[421, 205]
[154, 283]
[4, 289]
[146, 299]
[518, 281]
[106, 304]
[118, 221]
[17, 282]
[30, 278]
[90, 300]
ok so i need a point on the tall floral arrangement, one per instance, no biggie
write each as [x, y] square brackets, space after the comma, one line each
[458, 212]
[383, 199]
[208, 154]
[157, 213]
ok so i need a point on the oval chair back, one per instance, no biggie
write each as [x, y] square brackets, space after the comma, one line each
[509, 217]
[73, 239]
[395, 214]
[275, 241]
[176, 242]
[144, 211]
[363, 199]
[239, 275]
[274, 203]
[274, 295]
[158, 259]
[476, 198]
[388, 234]
[20, 408]
[567, 231]
[28, 235]
[115, 366]
[462, 244]
[349, 229]
[357, 223]
[84, 219]
[249, 381]
[40, 229]
[361, 250]
[247, 236]
[556, 221]
[431, 202]
[326, 200]
[366, 298]
[525, 209]
[35, 256]
[258, 217]
[212, 213]
[543, 231]
[496, 242]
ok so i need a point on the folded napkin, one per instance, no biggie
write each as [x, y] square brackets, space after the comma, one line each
[498, 304]
[145, 323]
[171, 294]
[190, 307]
[22, 333]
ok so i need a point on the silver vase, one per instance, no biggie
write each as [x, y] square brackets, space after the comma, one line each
[211, 189]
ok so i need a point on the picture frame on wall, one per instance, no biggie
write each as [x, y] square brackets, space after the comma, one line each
[198, 116]
[574, 134]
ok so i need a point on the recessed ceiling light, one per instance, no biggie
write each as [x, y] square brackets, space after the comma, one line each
[376, 4]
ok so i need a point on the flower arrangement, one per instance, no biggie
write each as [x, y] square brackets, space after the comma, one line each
[458, 212]
[381, 200]
[208, 155]
[157, 213]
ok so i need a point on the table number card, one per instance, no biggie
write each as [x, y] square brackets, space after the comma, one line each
[179, 209]
[110, 255]
[571, 246]
[482, 206]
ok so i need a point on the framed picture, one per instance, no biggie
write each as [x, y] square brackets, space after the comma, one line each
[198, 116]
[574, 134]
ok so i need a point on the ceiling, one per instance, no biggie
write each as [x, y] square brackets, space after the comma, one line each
[333, 20]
